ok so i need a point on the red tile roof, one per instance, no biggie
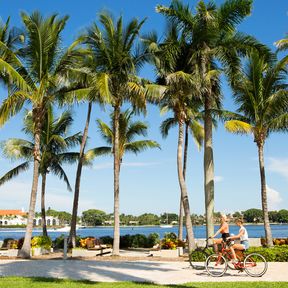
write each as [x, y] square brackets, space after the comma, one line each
[12, 212]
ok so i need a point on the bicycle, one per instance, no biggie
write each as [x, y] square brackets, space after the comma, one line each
[200, 253]
[254, 264]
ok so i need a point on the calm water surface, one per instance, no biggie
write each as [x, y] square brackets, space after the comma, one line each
[255, 231]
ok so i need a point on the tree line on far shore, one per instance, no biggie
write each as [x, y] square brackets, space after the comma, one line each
[95, 217]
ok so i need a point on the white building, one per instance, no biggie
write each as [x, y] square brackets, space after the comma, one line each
[19, 217]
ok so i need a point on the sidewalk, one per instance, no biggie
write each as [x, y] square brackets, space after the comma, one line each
[138, 271]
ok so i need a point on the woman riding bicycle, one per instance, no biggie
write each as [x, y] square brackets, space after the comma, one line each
[244, 240]
[224, 230]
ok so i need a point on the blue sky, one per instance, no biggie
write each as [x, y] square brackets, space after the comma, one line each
[149, 181]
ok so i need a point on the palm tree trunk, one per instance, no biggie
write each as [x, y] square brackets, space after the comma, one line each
[208, 169]
[72, 237]
[181, 211]
[116, 241]
[43, 213]
[183, 188]
[267, 228]
[26, 248]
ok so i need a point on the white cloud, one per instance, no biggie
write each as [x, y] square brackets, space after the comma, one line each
[274, 198]
[279, 166]
[218, 179]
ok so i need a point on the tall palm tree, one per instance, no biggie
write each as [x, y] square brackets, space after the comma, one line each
[177, 84]
[114, 50]
[197, 133]
[212, 37]
[34, 73]
[260, 91]
[54, 149]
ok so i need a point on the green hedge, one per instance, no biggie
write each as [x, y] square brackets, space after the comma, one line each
[274, 254]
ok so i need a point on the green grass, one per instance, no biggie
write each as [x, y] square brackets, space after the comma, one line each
[20, 282]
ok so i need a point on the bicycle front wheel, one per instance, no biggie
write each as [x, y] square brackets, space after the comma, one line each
[197, 259]
[216, 265]
[255, 265]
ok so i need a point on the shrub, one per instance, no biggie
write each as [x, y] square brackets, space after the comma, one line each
[59, 242]
[126, 241]
[153, 239]
[106, 240]
[20, 242]
[41, 242]
[10, 243]
[139, 240]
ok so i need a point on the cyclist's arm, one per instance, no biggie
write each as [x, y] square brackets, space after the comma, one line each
[219, 231]
[236, 236]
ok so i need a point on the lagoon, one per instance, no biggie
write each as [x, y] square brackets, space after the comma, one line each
[254, 231]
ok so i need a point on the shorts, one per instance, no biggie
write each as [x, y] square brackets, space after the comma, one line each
[245, 244]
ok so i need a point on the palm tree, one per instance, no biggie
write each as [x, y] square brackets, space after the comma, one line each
[211, 35]
[260, 91]
[54, 149]
[197, 132]
[117, 58]
[35, 81]
[177, 86]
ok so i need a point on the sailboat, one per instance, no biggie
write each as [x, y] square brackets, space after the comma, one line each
[166, 225]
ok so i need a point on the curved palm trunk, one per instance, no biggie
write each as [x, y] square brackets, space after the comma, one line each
[116, 241]
[72, 237]
[183, 188]
[267, 228]
[26, 248]
[43, 212]
[208, 169]
[181, 211]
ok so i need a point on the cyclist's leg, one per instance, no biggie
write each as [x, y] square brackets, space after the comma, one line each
[236, 247]
[215, 244]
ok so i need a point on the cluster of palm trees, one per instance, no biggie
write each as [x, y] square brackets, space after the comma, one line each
[101, 67]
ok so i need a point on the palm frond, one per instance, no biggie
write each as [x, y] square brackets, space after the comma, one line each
[14, 172]
[166, 125]
[141, 145]
[238, 127]
[106, 131]
[58, 171]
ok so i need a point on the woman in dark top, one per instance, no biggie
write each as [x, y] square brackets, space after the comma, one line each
[224, 230]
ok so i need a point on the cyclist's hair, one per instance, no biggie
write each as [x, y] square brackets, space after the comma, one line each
[239, 220]
[223, 215]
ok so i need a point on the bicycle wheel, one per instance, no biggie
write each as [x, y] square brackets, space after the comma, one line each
[197, 259]
[255, 265]
[216, 265]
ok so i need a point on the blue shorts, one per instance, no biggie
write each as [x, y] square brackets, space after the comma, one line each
[245, 244]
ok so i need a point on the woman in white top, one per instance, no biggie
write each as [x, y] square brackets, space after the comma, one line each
[243, 236]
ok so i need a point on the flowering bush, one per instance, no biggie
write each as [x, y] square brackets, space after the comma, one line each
[170, 241]
[41, 242]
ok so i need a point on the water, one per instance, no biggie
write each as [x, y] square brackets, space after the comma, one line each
[254, 231]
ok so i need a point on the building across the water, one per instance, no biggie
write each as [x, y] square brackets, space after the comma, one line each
[19, 217]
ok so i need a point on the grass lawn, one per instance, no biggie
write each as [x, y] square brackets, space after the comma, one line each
[20, 282]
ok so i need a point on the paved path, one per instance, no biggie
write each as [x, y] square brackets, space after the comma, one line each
[138, 271]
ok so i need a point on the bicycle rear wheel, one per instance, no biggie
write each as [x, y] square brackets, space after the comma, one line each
[255, 265]
[216, 265]
[197, 259]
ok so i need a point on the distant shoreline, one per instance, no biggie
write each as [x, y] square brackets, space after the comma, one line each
[128, 226]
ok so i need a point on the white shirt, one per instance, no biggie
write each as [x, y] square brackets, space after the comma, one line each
[243, 237]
